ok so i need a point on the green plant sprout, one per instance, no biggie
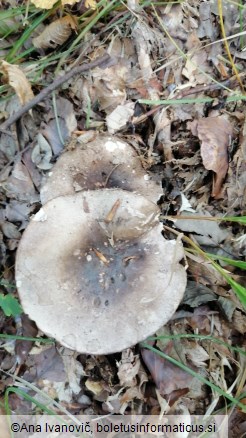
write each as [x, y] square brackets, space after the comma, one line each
[10, 305]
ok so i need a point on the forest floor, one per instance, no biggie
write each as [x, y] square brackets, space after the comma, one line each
[168, 78]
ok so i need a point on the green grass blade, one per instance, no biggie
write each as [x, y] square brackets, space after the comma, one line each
[32, 387]
[187, 101]
[106, 9]
[238, 263]
[201, 338]
[239, 290]
[27, 397]
[27, 338]
[28, 32]
[239, 219]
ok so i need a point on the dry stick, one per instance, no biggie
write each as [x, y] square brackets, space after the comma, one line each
[46, 91]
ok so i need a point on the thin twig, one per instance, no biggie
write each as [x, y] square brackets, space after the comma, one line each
[109, 175]
[46, 91]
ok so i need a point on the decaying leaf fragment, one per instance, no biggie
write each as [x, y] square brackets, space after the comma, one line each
[214, 133]
[43, 4]
[55, 33]
[69, 2]
[42, 153]
[90, 4]
[17, 79]
[48, 4]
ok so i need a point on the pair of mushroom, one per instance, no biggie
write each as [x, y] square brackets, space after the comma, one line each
[93, 269]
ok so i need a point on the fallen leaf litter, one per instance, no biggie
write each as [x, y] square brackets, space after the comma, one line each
[121, 85]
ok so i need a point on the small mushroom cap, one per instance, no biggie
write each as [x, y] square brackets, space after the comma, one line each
[105, 162]
[94, 272]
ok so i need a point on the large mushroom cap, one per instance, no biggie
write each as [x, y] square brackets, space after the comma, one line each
[94, 272]
[104, 162]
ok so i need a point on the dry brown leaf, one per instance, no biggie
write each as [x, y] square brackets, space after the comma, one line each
[167, 376]
[130, 394]
[42, 153]
[204, 272]
[55, 33]
[128, 368]
[20, 185]
[118, 118]
[214, 133]
[23, 347]
[197, 354]
[110, 85]
[17, 79]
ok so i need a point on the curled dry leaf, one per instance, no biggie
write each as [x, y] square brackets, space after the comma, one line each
[128, 368]
[42, 154]
[19, 185]
[119, 117]
[207, 232]
[17, 79]
[214, 133]
[10, 230]
[55, 33]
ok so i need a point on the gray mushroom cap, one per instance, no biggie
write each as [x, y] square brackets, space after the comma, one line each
[107, 162]
[94, 272]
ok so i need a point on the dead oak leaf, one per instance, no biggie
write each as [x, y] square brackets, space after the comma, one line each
[56, 33]
[17, 79]
[214, 134]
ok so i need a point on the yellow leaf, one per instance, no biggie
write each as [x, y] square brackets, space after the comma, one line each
[69, 2]
[43, 4]
[90, 4]
[17, 79]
